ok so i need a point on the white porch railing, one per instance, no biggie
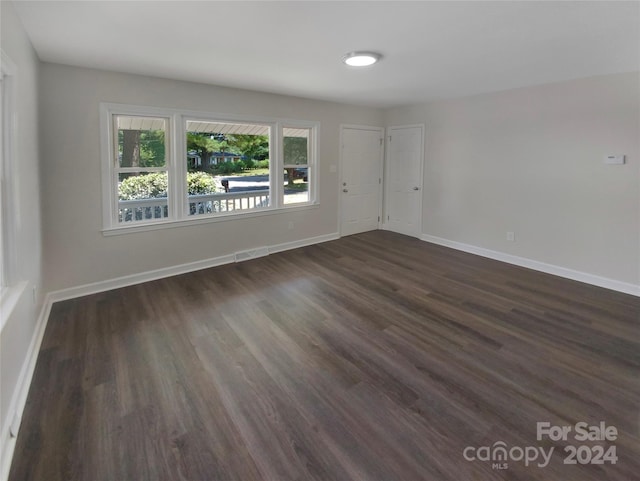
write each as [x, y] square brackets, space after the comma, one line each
[139, 210]
[142, 209]
[228, 201]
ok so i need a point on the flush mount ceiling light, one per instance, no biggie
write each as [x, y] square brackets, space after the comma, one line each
[361, 59]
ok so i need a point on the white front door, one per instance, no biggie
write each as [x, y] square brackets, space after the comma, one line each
[403, 179]
[361, 179]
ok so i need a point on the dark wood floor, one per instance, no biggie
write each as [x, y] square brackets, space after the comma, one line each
[374, 357]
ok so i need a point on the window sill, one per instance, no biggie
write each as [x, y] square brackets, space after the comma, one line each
[9, 297]
[170, 224]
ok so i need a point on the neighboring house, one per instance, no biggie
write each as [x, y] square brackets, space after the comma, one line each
[220, 157]
[195, 161]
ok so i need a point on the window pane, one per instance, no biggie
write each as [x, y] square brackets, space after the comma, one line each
[141, 141]
[295, 151]
[296, 185]
[295, 146]
[228, 165]
[142, 196]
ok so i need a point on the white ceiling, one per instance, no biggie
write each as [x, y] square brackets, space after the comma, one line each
[432, 50]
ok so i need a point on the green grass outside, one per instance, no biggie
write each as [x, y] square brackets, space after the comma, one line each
[246, 173]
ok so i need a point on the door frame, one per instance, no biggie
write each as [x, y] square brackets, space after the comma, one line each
[381, 131]
[387, 163]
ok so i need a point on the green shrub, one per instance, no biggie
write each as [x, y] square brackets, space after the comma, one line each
[226, 168]
[143, 186]
[200, 183]
[249, 164]
[154, 185]
[263, 164]
[239, 166]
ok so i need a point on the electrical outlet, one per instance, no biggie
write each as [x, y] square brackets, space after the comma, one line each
[290, 227]
[35, 294]
[511, 237]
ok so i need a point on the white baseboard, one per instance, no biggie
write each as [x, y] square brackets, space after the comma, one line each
[592, 279]
[303, 242]
[125, 281]
[19, 397]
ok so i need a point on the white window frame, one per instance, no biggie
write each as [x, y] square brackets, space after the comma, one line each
[10, 287]
[8, 211]
[273, 152]
[110, 161]
[176, 155]
[311, 161]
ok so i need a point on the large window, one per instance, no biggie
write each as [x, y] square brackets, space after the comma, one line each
[227, 167]
[164, 166]
[141, 171]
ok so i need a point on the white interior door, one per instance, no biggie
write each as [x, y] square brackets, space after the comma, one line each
[361, 179]
[403, 205]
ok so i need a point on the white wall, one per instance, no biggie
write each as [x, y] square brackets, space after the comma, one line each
[77, 253]
[19, 332]
[531, 161]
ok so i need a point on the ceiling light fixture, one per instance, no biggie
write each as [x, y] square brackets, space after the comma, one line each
[361, 59]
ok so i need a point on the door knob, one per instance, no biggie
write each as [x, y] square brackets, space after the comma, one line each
[345, 190]
[344, 183]
[416, 188]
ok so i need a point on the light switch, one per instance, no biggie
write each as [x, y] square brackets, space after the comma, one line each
[614, 159]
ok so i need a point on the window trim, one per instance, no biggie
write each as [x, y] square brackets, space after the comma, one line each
[195, 220]
[311, 160]
[209, 117]
[11, 290]
[108, 141]
[117, 169]
[9, 214]
[176, 156]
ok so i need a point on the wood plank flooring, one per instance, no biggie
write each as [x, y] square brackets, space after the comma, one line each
[373, 357]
